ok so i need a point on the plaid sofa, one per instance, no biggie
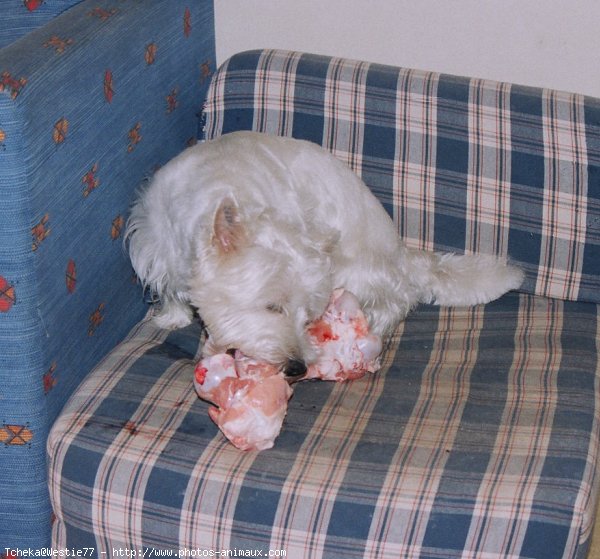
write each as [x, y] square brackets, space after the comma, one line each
[478, 438]
[93, 96]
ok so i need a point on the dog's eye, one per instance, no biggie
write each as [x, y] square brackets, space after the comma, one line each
[275, 308]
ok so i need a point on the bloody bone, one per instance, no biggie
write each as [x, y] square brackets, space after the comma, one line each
[250, 398]
[347, 349]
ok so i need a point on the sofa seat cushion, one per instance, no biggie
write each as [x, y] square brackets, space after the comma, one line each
[479, 437]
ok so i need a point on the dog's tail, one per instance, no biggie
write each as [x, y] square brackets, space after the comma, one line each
[464, 280]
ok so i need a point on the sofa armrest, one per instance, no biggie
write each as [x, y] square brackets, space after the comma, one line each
[90, 105]
[19, 18]
[461, 164]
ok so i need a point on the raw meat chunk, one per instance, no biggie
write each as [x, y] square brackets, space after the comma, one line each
[250, 398]
[347, 349]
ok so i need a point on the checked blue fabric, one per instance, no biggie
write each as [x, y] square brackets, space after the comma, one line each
[480, 435]
[478, 438]
[462, 165]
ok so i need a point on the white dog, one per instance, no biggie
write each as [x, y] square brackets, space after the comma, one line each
[256, 231]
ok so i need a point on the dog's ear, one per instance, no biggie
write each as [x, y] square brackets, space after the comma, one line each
[229, 232]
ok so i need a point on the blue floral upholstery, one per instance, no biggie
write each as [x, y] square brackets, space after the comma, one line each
[480, 435]
[91, 103]
[19, 17]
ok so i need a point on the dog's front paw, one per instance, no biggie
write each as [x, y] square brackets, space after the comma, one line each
[173, 315]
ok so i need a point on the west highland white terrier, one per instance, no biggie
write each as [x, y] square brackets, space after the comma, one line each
[256, 231]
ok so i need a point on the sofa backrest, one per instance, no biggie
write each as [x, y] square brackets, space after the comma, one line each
[461, 164]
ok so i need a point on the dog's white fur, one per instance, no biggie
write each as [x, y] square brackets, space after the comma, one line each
[255, 231]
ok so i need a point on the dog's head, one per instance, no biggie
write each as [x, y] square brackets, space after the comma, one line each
[258, 281]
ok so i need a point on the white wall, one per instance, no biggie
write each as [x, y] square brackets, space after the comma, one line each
[548, 43]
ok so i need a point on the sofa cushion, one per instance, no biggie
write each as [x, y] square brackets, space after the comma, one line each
[461, 164]
[479, 434]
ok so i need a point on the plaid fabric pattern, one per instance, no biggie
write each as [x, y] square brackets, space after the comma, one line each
[461, 164]
[479, 438]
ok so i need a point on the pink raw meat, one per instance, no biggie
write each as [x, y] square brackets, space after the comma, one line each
[348, 350]
[250, 398]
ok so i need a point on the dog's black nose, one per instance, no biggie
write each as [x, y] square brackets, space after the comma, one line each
[231, 351]
[295, 368]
